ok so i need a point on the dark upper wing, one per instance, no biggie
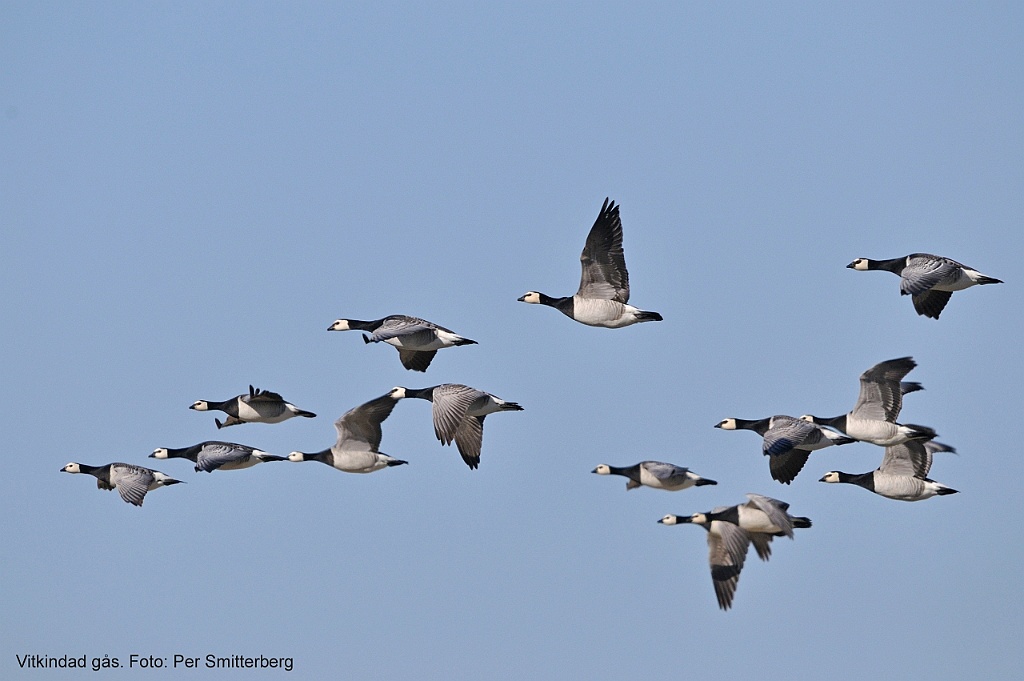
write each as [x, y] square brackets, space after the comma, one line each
[359, 428]
[256, 395]
[603, 262]
[881, 396]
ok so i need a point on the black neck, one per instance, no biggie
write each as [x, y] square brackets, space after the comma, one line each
[631, 472]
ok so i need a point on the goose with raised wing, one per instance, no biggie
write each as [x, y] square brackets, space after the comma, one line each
[873, 418]
[903, 474]
[259, 406]
[603, 295]
[359, 434]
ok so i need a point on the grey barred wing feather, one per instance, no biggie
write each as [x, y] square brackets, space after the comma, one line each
[359, 428]
[912, 458]
[727, 551]
[401, 325]
[776, 512]
[668, 474]
[924, 271]
[451, 402]
[881, 394]
[762, 544]
[132, 482]
[469, 438]
[213, 455]
[603, 262]
[785, 434]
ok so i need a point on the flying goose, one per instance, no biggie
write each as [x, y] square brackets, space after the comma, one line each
[903, 474]
[604, 283]
[212, 455]
[416, 340]
[757, 521]
[132, 482]
[459, 412]
[930, 280]
[656, 474]
[788, 441]
[359, 434]
[873, 418]
[259, 406]
[727, 551]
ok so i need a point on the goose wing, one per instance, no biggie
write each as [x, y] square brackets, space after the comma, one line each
[881, 395]
[451, 402]
[603, 262]
[401, 325]
[256, 396]
[469, 438]
[359, 428]
[727, 551]
[669, 474]
[213, 455]
[775, 510]
[132, 482]
[924, 271]
[787, 433]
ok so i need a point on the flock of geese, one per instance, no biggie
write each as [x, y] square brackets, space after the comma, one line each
[458, 411]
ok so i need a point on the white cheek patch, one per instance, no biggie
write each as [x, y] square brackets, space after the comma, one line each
[340, 325]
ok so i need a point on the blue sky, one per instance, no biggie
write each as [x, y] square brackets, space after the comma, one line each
[192, 192]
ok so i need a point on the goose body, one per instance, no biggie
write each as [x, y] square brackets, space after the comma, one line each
[458, 414]
[359, 434]
[213, 455]
[873, 418]
[727, 552]
[131, 481]
[929, 279]
[603, 295]
[656, 474]
[903, 474]
[259, 406]
[788, 442]
[416, 340]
